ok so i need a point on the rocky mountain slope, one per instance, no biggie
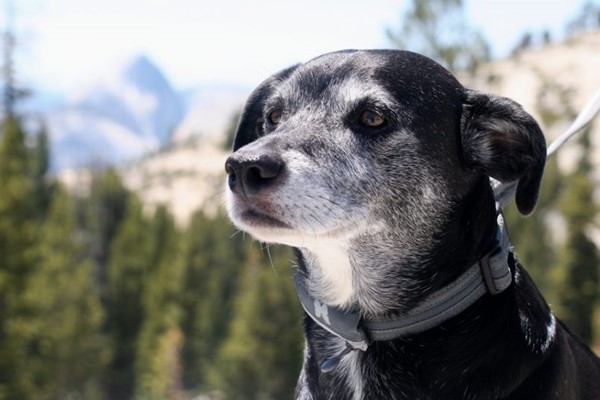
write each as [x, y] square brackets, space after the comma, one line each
[187, 176]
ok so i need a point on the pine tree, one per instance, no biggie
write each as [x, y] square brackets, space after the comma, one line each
[261, 357]
[16, 204]
[587, 19]
[579, 258]
[61, 350]
[212, 258]
[103, 211]
[128, 263]
[17, 241]
[157, 362]
[534, 245]
[437, 29]
[40, 165]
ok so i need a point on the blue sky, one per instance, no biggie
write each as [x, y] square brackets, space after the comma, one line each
[65, 43]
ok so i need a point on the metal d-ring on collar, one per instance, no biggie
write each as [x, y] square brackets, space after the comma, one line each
[491, 274]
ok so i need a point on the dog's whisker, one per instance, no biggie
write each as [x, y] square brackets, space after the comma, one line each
[237, 232]
[267, 247]
[329, 200]
[310, 213]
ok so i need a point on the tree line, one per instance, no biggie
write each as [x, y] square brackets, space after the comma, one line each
[101, 298]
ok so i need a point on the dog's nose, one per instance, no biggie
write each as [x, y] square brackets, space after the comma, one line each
[250, 174]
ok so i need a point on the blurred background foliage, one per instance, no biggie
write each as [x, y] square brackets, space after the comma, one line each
[103, 298]
[100, 299]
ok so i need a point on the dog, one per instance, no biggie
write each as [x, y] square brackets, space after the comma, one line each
[375, 167]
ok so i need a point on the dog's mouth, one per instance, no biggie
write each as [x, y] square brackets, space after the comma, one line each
[279, 222]
[256, 216]
[259, 219]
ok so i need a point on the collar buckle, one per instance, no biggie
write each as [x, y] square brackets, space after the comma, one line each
[494, 267]
[486, 272]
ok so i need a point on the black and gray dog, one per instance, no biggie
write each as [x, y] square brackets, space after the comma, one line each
[375, 166]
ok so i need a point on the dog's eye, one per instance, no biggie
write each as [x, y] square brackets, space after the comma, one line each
[275, 116]
[371, 119]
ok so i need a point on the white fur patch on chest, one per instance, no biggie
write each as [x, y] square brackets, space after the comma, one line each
[331, 273]
[354, 377]
[538, 341]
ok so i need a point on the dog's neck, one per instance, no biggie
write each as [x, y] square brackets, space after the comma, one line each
[331, 272]
[330, 266]
[468, 234]
[491, 274]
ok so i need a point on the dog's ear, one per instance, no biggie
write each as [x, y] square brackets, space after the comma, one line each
[503, 141]
[251, 124]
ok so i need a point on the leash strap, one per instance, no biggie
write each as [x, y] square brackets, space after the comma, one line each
[490, 275]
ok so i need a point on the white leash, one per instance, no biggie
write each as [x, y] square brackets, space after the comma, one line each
[504, 192]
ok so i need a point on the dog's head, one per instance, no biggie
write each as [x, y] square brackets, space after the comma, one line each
[372, 149]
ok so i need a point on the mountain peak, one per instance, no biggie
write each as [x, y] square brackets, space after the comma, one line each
[140, 70]
[129, 111]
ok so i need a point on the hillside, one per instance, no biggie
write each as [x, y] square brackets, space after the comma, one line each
[187, 176]
[546, 81]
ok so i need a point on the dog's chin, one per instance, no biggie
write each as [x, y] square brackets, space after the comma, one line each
[270, 229]
[260, 220]
[267, 229]
[262, 225]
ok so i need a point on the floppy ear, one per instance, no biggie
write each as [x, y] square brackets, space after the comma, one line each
[251, 124]
[503, 141]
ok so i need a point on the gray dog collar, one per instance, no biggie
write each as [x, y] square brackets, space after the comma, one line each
[491, 274]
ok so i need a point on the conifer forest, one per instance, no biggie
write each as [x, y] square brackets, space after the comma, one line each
[102, 300]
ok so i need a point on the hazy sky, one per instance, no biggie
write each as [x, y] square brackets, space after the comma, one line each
[65, 43]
